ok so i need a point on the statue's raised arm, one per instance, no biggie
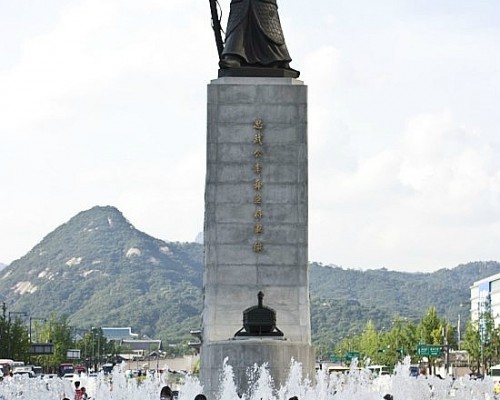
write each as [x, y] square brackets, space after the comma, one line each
[254, 44]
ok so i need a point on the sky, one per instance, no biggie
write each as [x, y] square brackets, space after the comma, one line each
[103, 102]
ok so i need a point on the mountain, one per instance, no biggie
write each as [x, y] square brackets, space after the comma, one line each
[99, 270]
[343, 300]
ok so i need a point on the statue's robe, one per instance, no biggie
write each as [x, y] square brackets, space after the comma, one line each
[254, 33]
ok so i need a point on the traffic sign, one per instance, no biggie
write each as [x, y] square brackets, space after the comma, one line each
[429, 351]
[42, 348]
[352, 354]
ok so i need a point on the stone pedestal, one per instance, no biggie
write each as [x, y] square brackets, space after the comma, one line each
[256, 224]
[244, 354]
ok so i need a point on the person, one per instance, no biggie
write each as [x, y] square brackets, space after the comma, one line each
[200, 397]
[254, 36]
[496, 388]
[78, 391]
[84, 393]
[166, 393]
[141, 376]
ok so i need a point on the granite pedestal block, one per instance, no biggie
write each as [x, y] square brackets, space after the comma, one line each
[256, 219]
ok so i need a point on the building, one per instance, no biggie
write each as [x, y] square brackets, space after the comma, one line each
[485, 298]
[119, 334]
[137, 348]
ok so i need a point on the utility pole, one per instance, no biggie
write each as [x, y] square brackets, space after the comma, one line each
[459, 331]
[446, 349]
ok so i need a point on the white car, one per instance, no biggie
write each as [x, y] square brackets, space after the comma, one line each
[69, 377]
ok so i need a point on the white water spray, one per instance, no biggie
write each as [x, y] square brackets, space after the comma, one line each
[357, 385]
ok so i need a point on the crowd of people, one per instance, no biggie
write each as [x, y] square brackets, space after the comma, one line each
[166, 394]
[80, 392]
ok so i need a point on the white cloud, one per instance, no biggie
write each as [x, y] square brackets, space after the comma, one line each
[452, 169]
[428, 194]
[103, 102]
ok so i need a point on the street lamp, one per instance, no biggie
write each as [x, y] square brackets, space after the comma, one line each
[458, 325]
[23, 313]
[31, 339]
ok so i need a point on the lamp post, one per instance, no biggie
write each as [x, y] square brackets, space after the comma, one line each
[399, 325]
[458, 326]
[80, 334]
[31, 339]
[23, 313]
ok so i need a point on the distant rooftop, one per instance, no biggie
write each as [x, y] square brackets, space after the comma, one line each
[490, 278]
[145, 345]
[119, 333]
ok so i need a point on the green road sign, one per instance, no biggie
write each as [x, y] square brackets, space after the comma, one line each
[435, 351]
[352, 354]
[429, 351]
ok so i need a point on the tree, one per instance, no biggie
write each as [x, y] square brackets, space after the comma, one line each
[4, 335]
[348, 345]
[18, 339]
[430, 327]
[57, 331]
[400, 341]
[472, 343]
[495, 347]
[95, 348]
[369, 341]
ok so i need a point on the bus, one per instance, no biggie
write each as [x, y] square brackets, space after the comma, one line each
[378, 370]
[495, 373]
[66, 368]
[79, 369]
[6, 366]
[107, 368]
[338, 369]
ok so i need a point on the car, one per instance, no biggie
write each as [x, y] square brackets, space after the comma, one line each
[414, 371]
[69, 377]
[49, 376]
[28, 374]
[476, 376]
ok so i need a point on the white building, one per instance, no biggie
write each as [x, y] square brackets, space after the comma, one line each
[485, 297]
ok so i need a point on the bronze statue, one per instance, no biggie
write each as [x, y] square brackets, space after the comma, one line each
[254, 37]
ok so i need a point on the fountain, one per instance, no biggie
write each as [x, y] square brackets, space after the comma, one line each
[357, 384]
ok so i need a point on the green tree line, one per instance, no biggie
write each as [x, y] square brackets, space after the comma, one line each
[371, 345]
[388, 346]
[16, 343]
[482, 342]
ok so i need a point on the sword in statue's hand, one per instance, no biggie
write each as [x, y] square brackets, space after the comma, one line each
[216, 27]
